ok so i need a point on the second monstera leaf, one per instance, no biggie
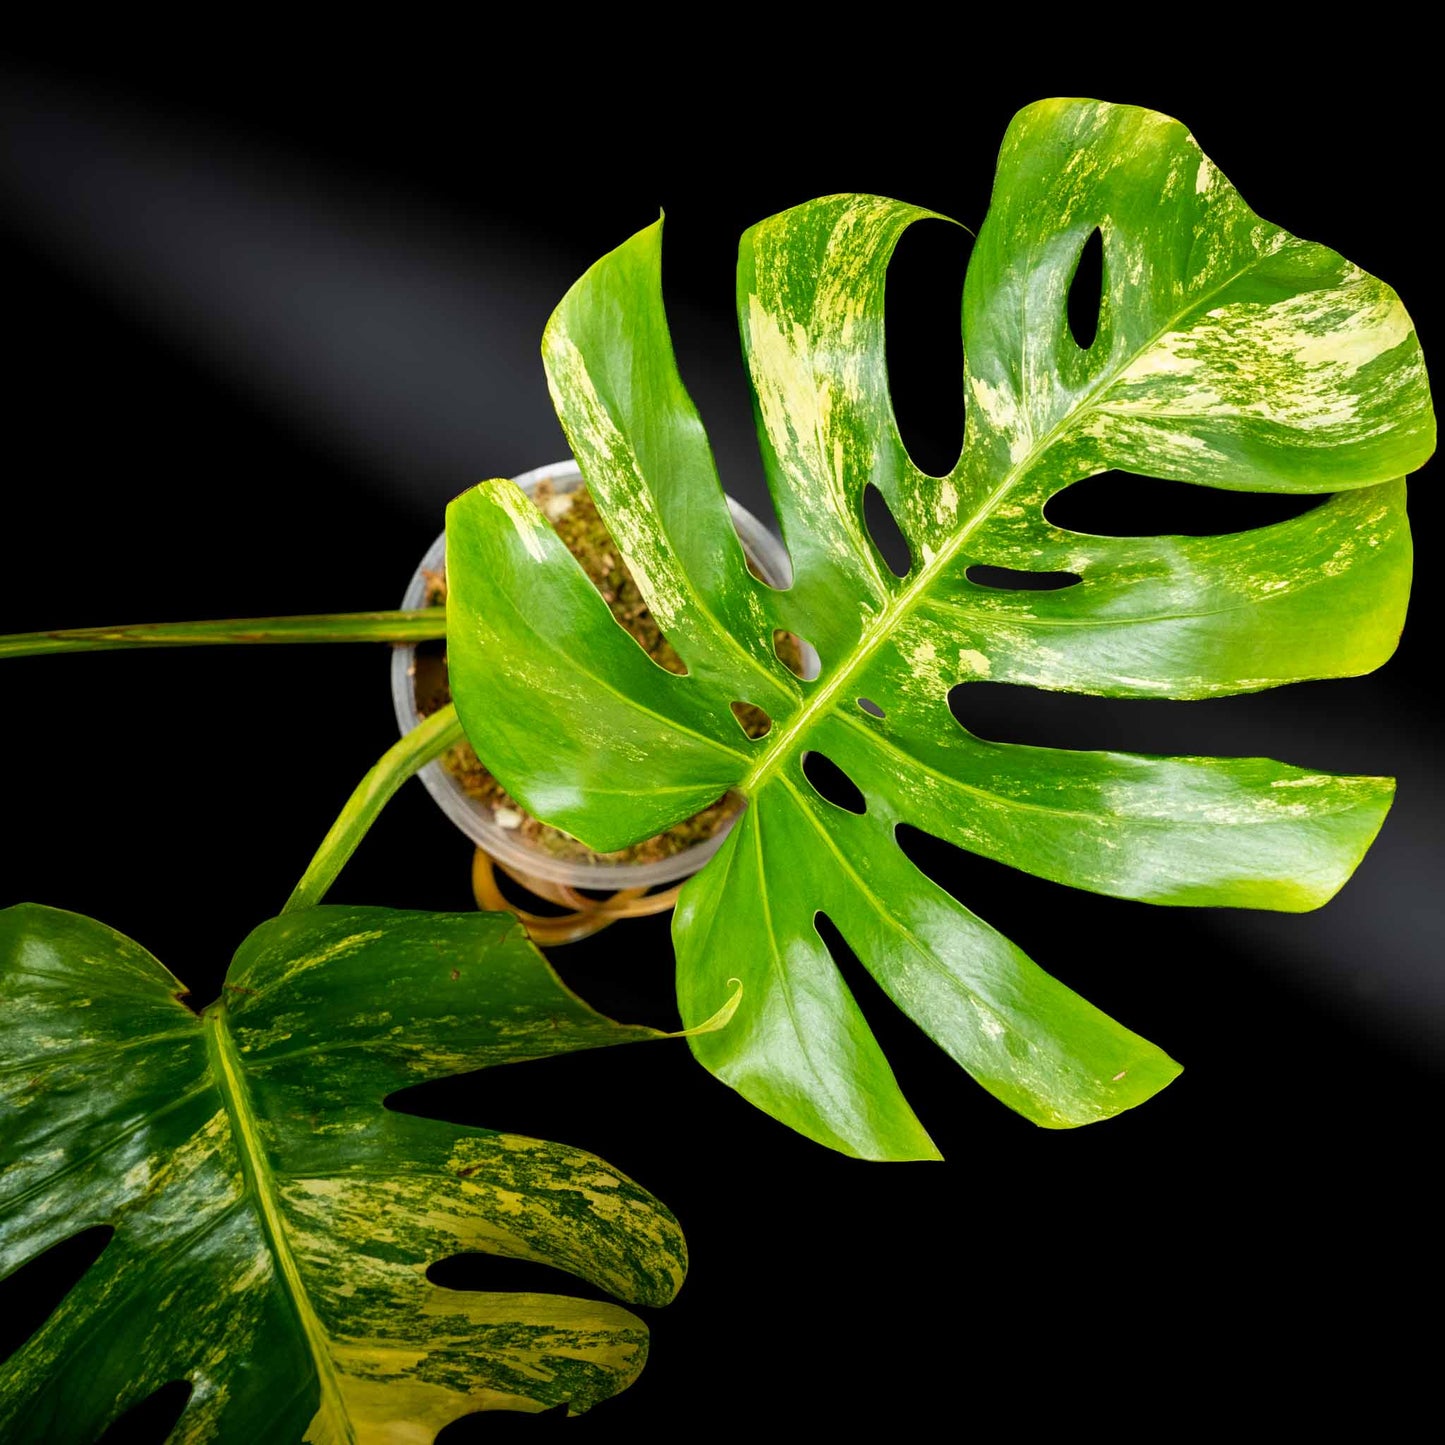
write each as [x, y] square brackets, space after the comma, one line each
[273, 1223]
[1228, 354]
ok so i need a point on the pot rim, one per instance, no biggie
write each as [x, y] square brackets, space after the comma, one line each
[472, 817]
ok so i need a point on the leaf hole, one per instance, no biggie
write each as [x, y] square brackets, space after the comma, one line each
[150, 1421]
[832, 784]
[1121, 504]
[1262, 724]
[886, 534]
[1061, 925]
[775, 571]
[924, 1072]
[555, 1096]
[867, 992]
[938, 860]
[1001, 712]
[797, 654]
[753, 720]
[869, 706]
[576, 518]
[34, 1291]
[497, 1274]
[923, 341]
[1008, 579]
[1086, 292]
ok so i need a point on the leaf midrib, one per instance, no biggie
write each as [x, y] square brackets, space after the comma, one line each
[895, 611]
[260, 1183]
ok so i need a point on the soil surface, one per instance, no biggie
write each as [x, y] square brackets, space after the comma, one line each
[575, 516]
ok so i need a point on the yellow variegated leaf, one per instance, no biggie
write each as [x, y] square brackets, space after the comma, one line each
[273, 1222]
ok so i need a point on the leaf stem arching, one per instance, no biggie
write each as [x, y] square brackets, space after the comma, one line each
[412, 753]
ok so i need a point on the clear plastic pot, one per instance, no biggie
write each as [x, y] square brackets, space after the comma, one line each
[474, 817]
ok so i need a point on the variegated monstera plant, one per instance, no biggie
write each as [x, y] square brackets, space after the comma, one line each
[272, 1222]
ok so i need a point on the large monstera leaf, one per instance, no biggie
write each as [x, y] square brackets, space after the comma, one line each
[273, 1223]
[1228, 354]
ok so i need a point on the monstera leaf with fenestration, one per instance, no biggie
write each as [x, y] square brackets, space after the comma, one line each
[1228, 354]
[273, 1222]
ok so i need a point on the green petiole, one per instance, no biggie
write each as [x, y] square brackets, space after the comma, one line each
[373, 792]
[418, 626]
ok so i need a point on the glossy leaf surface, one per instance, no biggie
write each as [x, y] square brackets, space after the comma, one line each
[1228, 354]
[273, 1222]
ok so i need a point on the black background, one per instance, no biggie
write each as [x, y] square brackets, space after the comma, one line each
[265, 317]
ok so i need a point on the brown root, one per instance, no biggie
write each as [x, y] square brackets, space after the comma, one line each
[587, 915]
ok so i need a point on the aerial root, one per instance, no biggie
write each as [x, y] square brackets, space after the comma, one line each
[586, 916]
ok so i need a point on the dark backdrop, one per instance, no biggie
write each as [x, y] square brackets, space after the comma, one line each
[264, 321]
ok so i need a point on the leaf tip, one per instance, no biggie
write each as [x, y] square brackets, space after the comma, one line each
[718, 1020]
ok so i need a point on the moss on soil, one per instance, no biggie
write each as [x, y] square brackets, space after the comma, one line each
[578, 524]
